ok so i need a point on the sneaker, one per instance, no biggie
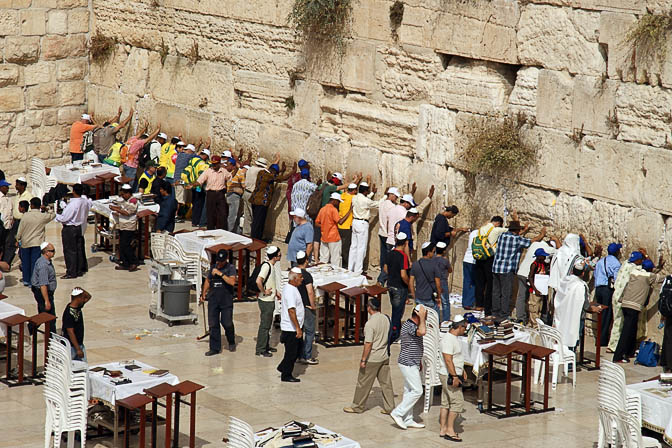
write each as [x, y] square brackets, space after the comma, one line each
[211, 353]
[415, 425]
[232, 347]
[290, 379]
[399, 422]
[312, 361]
[272, 349]
[265, 354]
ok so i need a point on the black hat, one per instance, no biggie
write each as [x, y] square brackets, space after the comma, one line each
[375, 303]
[222, 255]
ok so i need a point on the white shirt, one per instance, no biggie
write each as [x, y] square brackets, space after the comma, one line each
[450, 345]
[529, 257]
[270, 272]
[6, 211]
[251, 178]
[76, 212]
[468, 255]
[155, 151]
[362, 205]
[291, 298]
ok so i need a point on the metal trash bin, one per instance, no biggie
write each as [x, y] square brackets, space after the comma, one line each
[175, 297]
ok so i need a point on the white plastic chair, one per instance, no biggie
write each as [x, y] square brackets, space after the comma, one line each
[628, 432]
[158, 242]
[241, 435]
[552, 338]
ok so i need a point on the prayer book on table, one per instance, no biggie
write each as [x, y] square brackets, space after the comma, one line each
[484, 341]
[160, 372]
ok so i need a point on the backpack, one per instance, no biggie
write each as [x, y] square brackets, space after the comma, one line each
[314, 203]
[87, 142]
[648, 354]
[665, 299]
[252, 287]
[123, 153]
[145, 155]
[480, 247]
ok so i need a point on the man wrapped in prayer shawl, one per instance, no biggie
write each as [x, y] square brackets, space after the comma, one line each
[622, 278]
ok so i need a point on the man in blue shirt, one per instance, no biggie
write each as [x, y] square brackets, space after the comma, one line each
[605, 275]
[302, 236]
[406, 226]
[510, 245]
[165, 221]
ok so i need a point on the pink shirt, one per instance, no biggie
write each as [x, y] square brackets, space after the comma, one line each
[134, 146]
[383, 212]
[214, 180]
[396, 214]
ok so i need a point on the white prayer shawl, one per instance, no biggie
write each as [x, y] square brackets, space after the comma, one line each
[569, 300]
[562, 263]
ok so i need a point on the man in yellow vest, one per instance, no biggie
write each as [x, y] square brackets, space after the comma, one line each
[147, 178]
[195, 167]
[168, 157]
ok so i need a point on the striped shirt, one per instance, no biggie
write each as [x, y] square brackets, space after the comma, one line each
[411, 345]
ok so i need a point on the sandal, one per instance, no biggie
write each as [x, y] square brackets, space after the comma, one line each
[609, 350]
[452, 438]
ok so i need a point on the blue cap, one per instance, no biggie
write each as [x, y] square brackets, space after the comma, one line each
[648, 265]
[635, 256]
[231, 161]
[275, 167]
[4, 183]
[302, 163]
[613, 248]
[305, 173]
[540, 253]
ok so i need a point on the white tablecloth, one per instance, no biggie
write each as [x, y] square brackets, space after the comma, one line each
[473, 355]
[6, 310]
[656, 407]
[196, 242]
[101, 387]
[342, 442]
[102, 207]
[63, 174]
[325, 274]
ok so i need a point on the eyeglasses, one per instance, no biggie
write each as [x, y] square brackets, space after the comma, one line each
[51, 250]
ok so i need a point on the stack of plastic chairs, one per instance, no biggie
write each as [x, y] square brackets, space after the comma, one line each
[620, 410]
[551, 338]
[431, 356]
[240, 435]
[158, 242]
[65, 393]
[191, 263]
[38, 177]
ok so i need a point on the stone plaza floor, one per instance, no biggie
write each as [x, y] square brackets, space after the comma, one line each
[248, 387]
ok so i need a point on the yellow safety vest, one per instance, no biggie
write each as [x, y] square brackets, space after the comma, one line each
[150, 180]
[166, 158]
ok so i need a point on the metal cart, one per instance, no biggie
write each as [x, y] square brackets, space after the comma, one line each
[159, 271]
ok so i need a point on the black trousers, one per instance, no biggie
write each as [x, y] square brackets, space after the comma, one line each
[9, 250]
[292, 350]
[666, 350]
[41, 306]
[220, 311]
[346, 240]
[127, 254]
[603, 296]
[217, 209]
[258, 220]
[198, 201]
[74, 251]
[627, 343]
[483, 284]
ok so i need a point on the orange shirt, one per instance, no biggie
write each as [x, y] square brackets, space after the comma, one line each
[77, 135]
[327, 219]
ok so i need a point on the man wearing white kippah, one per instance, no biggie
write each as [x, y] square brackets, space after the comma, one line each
[307, 291]
[291, 324]
[268, 282]
[128, 222]
[302, 236]
[73, 323]
[362, 204]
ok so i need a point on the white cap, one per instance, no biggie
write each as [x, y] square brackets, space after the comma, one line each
[300, 254]
[363, 184]
[441, 245]
[401, 236]
[394, 191]
[444, 326]
[298, 212]
[44, 245]
[22, 179]
[76, 291]
[352, 186]
[190, 147]
[338, 176]
[272, 250]
[458, 318]
[580, 264]
[180, 143]
[86, 117]
[426, 244]
[126, 187]
[295, 270]
[413, 210]
[226, 153]
[261, 162]
[206, 151]
[247, 167]
[408, 198]
[162, 135]
[336, 196]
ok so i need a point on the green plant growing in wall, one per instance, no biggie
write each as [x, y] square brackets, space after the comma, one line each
[163, 51]
[192, 54]
[322, 21]
[497, 146]
[648, 36]
[101, 47]
[290, 104]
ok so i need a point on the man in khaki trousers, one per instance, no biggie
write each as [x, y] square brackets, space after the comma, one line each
[375, 362]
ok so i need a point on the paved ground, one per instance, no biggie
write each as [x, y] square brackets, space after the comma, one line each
[249, 387]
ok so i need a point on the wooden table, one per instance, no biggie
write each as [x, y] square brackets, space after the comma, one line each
[243, 255]
[355, 294]
[583, 360]
[134, 402]
[36, 321]
[98, 184]
[155, 393]
[329, 289]
[16, 320]
[143, 232]
[183, 389]
[500, 351]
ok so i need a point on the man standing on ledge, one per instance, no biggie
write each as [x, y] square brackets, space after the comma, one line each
[77, 131]
[291, 322]
[215, 179]
[219, 284]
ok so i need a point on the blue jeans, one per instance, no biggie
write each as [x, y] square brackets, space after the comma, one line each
[28, 256]
[382, 278]
[308, 334]
[398, 298]
[468, 285]
[73, 353]
[429, 304]
[130, 172]
[445, 307]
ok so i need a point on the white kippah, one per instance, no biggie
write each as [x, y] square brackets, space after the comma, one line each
[76, 291]
[44, 245]
[296, 270]
[426, 244]
[126, 187]
[300, 254]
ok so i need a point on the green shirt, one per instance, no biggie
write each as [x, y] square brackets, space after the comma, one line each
[330, 188]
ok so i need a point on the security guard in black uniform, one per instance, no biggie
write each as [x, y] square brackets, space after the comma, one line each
[218, 288]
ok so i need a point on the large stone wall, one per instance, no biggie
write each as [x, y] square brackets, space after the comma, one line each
[43, 72]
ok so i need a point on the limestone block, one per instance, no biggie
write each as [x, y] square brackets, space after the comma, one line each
[15, 4]
[286, 142]
[366, 160]
[22, 50]
[9, 22]
[78, 21]
[11, 99]
[306, 115]
[261, 85]
[175, 119]
[406, 73]
[49, 117]
[42, 95]
[109, 72]
[593, 104]
[104, 101]
[39, 73]
[136, 71]
[654, 189]
[246, 135]
[33, 22]
[473, 86]
[416, 21]
[643, 114]
[334, 152]
[560, 39]
[554, 99]
[71, 93]
[523, 97]
[57, 22]
[62, 4]
[65, 115]
[9, 74]
[371, 20]
[638, 221]
[358, 69]
[44, 3]
[436, 135]
[557, 160]
[60, 47]
[72, 69]
[394, 171]
[613, 27]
